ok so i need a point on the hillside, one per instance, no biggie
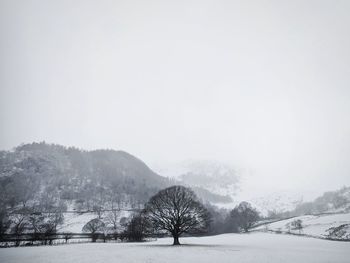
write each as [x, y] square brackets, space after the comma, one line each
[337, 201]
[48, 177]
[45, 176]
[332, 226]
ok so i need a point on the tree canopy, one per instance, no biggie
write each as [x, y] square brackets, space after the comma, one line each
[177, 210]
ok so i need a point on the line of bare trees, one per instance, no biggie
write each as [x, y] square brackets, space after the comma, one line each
[33, 226]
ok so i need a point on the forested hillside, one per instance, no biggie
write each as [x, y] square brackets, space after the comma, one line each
[47, 176]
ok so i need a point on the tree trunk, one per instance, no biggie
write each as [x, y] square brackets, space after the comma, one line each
[176, 240]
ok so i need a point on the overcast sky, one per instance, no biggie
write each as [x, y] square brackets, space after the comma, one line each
[263, 85]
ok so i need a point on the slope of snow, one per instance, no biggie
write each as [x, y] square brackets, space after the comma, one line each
[278, 201]
[74, 222]
[243, 248]
[313, 225]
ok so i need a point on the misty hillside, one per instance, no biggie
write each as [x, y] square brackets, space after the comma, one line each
[46, 176]
[213, 176]
[233, 187]
[231, 183]
[330, 202]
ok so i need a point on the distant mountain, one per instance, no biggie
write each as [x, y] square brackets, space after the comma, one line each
[216, 177]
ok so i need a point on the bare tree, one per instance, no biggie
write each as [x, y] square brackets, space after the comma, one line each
[137, 229]
[36, 221]
[19, 225]
[94, 227]
[53, 220]
[244, 215]
[112, 219]
[177, 210]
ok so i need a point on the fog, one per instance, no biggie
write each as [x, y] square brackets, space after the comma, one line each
[262, 85]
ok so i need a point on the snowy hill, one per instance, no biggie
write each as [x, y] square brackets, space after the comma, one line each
[75, 221]
[333, 226]
[273, 202]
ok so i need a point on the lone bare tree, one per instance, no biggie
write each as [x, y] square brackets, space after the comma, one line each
[177, 210]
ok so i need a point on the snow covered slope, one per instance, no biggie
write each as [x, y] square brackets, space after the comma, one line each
[314, 225]
[273, 201]
[242, 248]
[74, 222]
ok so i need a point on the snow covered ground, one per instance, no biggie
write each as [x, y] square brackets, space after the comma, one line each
[313, 225]
[74, 222]
[243, 248]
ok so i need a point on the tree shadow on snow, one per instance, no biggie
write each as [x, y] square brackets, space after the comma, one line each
[230, 247]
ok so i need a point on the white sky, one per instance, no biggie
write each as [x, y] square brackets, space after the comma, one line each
[263, 85]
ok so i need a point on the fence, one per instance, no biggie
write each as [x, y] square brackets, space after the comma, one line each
[32, 239]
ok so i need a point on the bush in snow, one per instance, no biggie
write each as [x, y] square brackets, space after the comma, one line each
[339, 232]
[297, 225]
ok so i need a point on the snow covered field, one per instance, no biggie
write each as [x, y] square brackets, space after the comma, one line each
[253, 247]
